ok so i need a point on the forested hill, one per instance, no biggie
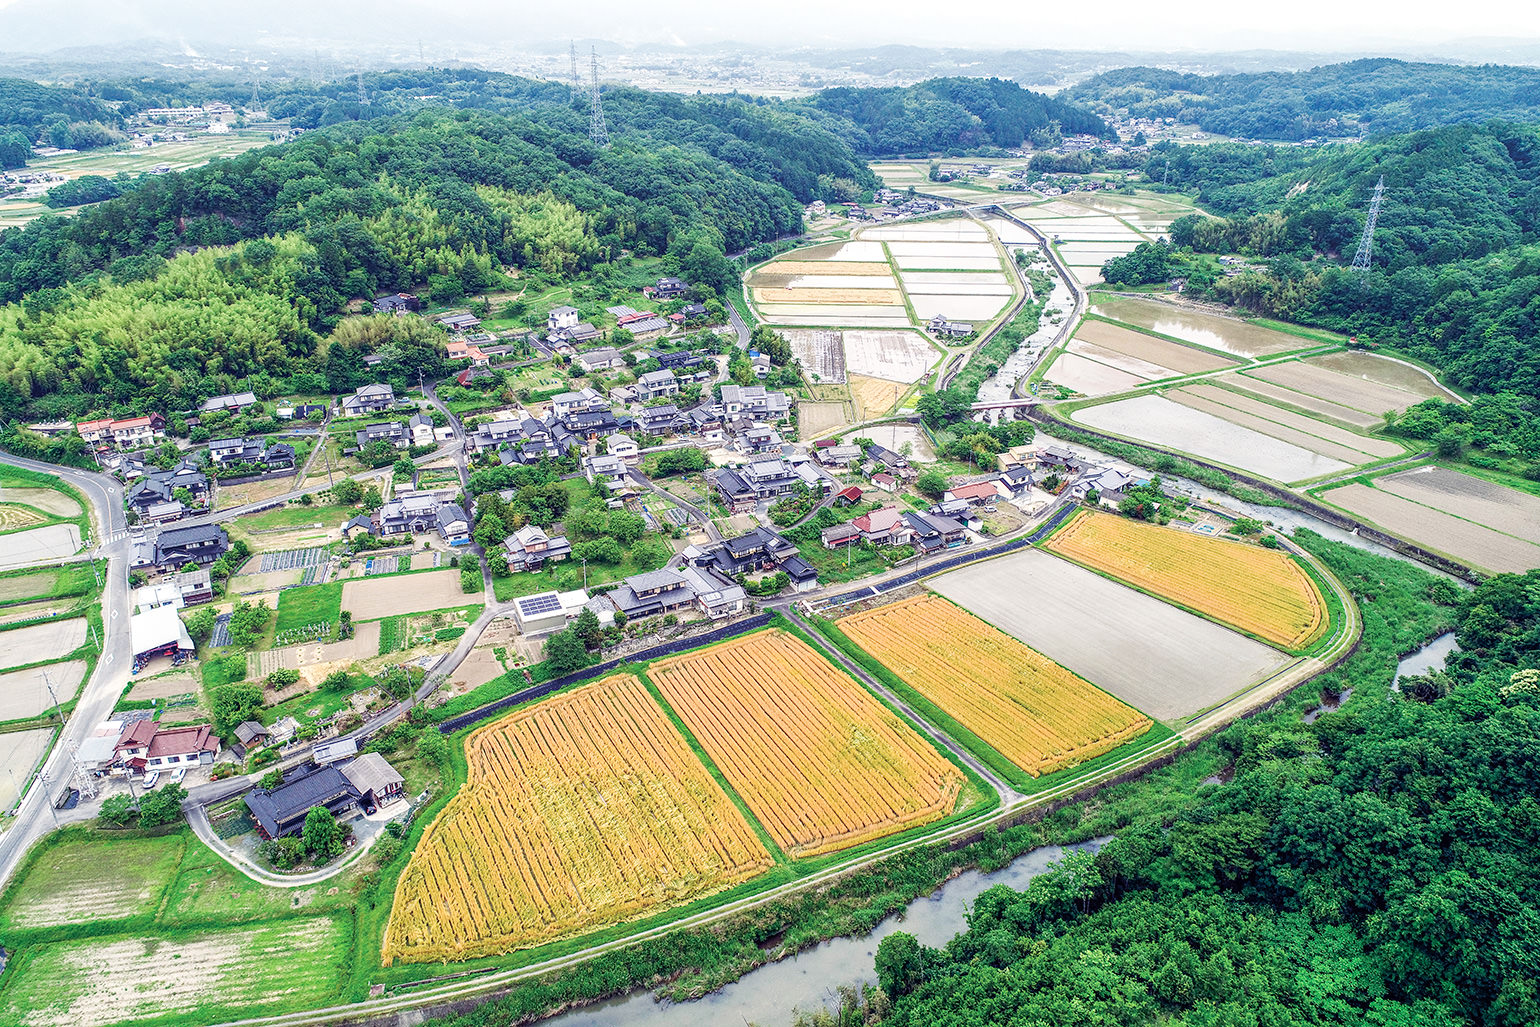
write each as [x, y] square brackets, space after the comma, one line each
[639, 193]
[1373, 868]
[65, 117]
[952, 115]
[1450, 193]
[1379, 95]
[1455, 278]
[437, 202]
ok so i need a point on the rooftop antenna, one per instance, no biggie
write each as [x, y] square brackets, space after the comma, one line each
[596, 130]
[1361, 259]
[577, 83]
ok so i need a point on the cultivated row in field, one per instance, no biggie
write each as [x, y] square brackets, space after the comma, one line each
[1261, 591]
[583, 811]
[1480, 523]
[1023, 705]
[817, 758]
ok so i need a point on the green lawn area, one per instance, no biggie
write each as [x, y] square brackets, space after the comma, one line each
[68, 882]
[312, 604]
[203, 976]
[296, 515]
[562, 577]
[830, 563]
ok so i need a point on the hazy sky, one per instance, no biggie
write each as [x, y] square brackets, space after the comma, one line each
[1320, 25]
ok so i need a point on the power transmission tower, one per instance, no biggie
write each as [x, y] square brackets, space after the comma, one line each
[596, 130]
[577, 83]
[256, 94]
[363, 97]
[1366, 244]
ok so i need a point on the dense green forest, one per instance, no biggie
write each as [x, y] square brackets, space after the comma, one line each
[445, 200]
[61, 117]
[952, 115]
[1455, 278]
[1372, 95]
[1372, 868]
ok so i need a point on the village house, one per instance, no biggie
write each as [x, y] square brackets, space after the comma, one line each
[393, 432]
[606, 470]
[562, 317]
[147, 747]
[400, 303]
[657, 384]
[370, 399]
[979, 493]
[531, 548]
[884, 526]
[233, 402]
[600, 359]
[624, 447]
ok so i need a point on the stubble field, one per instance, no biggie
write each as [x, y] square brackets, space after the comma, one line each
[216, 975]
[818, 760]
[1027, 708]
[582, 811]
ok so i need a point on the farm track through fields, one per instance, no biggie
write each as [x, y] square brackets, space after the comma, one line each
[1013, 807]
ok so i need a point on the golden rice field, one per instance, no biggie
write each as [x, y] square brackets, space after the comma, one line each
[1260, 591]
[582, 811]
[818, 759]
[1026, 707]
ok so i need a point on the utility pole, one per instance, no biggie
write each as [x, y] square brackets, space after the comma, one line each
[596, 128]
[328, 468]
[49, 685]
[1364, 256]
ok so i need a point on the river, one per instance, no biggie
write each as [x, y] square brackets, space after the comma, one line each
[1429, 657]
[767, 996]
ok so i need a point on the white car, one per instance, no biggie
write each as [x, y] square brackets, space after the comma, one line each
[151, 779]
[178, 774]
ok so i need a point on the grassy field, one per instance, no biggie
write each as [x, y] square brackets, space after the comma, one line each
[296, 515]
[195, 977]
[312, 604]
[33, 583]
[70, 882]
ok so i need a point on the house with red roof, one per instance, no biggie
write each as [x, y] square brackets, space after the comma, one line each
[147, 747]
[884, 526]
[980, 493]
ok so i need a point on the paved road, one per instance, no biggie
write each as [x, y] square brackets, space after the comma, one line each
[101, 692]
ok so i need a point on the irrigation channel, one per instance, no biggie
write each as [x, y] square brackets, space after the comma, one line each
[810, 979]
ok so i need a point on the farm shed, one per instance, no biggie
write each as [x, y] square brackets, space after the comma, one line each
[539, 613]
[375, 780]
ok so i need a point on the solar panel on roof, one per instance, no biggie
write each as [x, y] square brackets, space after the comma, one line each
[539, 604]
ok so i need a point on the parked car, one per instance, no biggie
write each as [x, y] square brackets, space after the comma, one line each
[178, 774]
[151, 779]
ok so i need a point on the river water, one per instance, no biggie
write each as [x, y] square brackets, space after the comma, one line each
[767, 996]
[1429, 657]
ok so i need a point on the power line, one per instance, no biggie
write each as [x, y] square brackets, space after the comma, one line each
[1362, 258]
[596, 130]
